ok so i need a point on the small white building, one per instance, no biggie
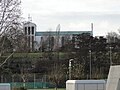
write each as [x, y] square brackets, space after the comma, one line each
[85, 85]
[5, 86]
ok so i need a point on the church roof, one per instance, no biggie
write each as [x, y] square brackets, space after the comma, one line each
[62, 33]
[27, 23]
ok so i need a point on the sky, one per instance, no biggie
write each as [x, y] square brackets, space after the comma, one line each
[74, 15]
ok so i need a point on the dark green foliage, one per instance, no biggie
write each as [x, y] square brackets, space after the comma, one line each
[5, 44]
[81, 48]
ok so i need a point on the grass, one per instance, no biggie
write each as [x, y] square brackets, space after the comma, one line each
[48, 89]
[32, 55]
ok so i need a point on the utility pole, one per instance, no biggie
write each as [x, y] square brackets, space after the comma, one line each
[111, 56]
[90, 63]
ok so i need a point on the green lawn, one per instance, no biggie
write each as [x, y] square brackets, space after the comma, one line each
[48, 89]
[32, 55]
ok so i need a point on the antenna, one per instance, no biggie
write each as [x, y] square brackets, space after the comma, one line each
[29, 18]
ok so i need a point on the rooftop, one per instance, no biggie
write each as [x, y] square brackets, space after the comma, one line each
[61, 33]
[86, 81]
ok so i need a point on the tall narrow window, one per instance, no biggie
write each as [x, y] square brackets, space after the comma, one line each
[28, 30]
[63, 41]
[25, 30]
[32, 30]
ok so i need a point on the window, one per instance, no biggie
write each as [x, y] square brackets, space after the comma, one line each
[32, 30]
[25, 30]
[28, 30]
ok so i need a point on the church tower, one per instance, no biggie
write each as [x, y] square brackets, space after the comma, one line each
[29, 31]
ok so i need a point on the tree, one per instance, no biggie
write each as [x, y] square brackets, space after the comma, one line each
[21, 66]
[89, 51]
[7, 46]
[114, 45]
[10, 14]
[57, 74]
[78, 70]
[112, 37]
[10, 17]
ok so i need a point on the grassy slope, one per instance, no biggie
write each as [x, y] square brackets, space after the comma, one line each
[48, 89]
[32, 55]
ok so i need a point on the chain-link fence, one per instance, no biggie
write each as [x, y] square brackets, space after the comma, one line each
[28, 81]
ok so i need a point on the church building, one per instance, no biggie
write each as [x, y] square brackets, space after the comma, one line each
[37, 40]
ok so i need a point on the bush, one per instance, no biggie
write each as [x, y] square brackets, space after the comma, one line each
[20, 88]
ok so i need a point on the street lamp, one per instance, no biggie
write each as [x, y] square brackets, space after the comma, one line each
[90, 63]
[70, 68]
[111, 56]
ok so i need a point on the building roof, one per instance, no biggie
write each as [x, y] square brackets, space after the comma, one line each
[27, 23]
[62, 33]
[86, 81]
[4, 84]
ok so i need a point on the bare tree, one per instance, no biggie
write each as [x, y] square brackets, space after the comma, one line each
[10, 17]
[9, 14]
[112, 37]
[24, 67]
[57, 75]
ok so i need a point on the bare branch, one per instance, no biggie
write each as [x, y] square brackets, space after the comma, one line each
[6, 60]
[10, 19]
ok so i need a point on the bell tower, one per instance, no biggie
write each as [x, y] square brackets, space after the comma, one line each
[29, 31]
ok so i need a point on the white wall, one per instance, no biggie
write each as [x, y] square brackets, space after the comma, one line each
[4, 86]
[85, 85]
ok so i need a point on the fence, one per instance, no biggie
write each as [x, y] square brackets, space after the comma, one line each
[32, 84]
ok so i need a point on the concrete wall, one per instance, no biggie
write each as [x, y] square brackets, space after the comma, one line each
[85, 85]
[113, 81]
[90, 87]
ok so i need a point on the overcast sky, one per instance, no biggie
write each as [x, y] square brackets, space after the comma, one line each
[74, 15]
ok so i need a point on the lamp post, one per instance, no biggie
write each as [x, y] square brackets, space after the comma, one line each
[90, 63]
[70, 68]
[110, 56]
